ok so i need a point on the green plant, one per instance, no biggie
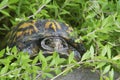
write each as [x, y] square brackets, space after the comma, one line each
[96, 23]
[18, 65]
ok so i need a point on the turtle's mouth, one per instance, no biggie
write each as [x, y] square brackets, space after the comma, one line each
[51, 44]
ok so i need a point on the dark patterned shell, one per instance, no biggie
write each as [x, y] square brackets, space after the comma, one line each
[46, 35]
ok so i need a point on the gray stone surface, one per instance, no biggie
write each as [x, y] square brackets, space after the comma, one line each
[85, 74]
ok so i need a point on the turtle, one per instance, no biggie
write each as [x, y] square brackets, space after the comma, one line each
[44, 35]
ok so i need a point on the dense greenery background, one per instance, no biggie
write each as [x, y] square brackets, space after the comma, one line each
[95, 22]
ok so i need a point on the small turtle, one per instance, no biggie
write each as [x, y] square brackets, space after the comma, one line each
[46, 35]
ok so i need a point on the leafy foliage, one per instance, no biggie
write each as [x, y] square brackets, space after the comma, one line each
[18, 65]
[96, 23]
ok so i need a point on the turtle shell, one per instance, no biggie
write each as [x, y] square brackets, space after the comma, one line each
[46, 35]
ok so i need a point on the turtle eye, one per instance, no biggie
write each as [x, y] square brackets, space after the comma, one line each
[47, 42]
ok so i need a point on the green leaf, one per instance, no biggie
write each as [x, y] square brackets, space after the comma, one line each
[104, 51]
[3, 3]
[108, 51]
[14, 64]
[49, 75]
[92, 51]
[6, 27]
[14, 50]
[51, 6]
[107, 21]
[6, 60]
[116, 57]
[101, 64]
[35, 60]
[86, 56]
[4, 70]
[2, 52]
[5, 13]
[111, 74]
[71, 57]
[45, 1]
[42, 60]
[41, 57]
[106, 69]
[8, 50]
[91, 15]
[52, 63]
[13, 1]
[64, 12]
[57, 70]
[49, 58]
[56, 58]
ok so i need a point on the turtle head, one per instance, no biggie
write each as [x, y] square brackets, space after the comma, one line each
[60, 45]
[54, 44]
